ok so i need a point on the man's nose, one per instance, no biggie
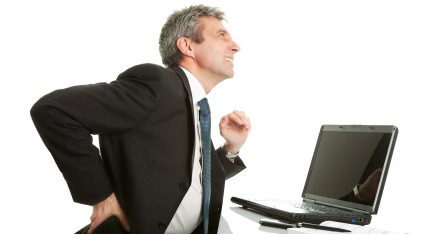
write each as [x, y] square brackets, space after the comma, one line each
[235, 47]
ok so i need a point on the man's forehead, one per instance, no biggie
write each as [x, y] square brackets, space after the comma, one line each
[212, 25]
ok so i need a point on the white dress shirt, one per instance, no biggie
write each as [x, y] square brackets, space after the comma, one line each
[188, 215]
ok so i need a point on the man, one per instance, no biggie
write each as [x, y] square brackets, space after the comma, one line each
[158, 171]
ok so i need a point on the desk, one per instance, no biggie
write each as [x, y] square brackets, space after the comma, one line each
[235, 220]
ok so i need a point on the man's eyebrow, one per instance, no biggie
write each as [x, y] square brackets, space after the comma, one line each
[222, 31]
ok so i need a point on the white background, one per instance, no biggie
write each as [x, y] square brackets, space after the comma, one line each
[302, 64]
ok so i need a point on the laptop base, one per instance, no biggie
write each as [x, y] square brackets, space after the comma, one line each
[315, 218]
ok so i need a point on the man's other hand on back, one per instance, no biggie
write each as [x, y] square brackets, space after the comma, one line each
[106, 209]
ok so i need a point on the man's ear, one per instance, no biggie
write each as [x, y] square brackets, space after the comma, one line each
[184, 45]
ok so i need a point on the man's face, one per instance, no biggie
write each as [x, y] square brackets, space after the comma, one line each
[215, 54]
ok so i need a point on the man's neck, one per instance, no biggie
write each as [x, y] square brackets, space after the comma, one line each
[208, 81]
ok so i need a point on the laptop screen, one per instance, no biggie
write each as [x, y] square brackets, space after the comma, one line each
[345, 161]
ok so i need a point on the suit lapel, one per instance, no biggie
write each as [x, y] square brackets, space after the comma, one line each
[187, 87]
[184, 79]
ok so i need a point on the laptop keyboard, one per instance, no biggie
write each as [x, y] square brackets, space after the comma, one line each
[313, 207]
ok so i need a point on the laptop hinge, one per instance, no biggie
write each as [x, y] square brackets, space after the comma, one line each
[309, 201]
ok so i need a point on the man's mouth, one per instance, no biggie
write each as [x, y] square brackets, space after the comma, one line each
[230, 60]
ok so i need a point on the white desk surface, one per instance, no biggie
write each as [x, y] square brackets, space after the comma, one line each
[236, 220]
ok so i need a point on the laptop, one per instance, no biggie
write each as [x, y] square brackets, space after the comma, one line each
[345, 180]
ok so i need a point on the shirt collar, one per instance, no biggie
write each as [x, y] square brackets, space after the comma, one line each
[197, 90]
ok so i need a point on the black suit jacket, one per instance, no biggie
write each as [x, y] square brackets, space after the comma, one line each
[145, 124]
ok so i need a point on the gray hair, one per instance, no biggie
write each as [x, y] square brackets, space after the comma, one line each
[184, 23]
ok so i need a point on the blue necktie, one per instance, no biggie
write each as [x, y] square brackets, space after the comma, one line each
[205, 131]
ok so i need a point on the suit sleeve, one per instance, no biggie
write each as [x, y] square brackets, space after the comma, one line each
[66, 118]
[231, 168]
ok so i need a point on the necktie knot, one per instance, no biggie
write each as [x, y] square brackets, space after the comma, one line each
[204, 106]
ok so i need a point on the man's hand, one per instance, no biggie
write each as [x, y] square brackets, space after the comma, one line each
[235, 128]
[106, 209]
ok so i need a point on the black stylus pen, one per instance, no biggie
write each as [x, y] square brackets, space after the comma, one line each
[286, 224]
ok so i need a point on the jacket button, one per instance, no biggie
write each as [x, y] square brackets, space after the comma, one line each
[162, 225]
[183, 186]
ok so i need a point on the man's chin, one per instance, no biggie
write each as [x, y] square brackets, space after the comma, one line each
[226, 75]
[230, 75]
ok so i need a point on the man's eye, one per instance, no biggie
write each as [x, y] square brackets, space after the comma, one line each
[222, 34]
